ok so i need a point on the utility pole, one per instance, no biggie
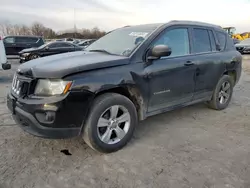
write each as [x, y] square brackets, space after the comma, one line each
[74, 23]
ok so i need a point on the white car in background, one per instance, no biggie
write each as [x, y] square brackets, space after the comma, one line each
[3, 59]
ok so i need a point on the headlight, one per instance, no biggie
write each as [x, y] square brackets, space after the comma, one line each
[46, 87]
[26, 54]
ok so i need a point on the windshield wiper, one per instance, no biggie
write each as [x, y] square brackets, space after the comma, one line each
[101, 50]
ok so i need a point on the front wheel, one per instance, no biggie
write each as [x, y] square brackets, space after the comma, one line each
[222, 94]
[34, 56]
[111, 123]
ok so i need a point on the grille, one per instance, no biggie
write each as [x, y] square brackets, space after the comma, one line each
[20, 86]
[240, 48]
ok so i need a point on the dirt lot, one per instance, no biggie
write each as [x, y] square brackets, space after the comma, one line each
[193, 147]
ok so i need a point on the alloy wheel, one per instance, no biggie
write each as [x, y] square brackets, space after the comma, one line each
[224, 93]
[113, 124]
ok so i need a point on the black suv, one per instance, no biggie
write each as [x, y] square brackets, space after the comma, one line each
[128, 75]
[15, 44]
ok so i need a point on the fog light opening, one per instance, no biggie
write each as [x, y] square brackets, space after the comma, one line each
[50, 116]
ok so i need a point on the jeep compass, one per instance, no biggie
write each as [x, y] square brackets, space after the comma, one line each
[124, 77]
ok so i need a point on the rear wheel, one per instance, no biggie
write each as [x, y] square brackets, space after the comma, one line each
[111, 123]
[222, 94]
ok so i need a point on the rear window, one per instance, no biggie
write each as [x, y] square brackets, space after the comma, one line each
[201, 41]
[222, 39]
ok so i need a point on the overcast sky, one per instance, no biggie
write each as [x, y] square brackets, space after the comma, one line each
[110, 14]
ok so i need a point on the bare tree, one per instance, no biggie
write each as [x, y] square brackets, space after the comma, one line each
[49, 33]
[37, 29]
[25, 30]
[5, 29]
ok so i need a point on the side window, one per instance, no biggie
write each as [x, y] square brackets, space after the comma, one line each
[32, 40]
[64, 45]
[54, 45]
[9, 40]
[201, 41]
[222, 39]
[177, 40]
[212, 40]
[26, 40]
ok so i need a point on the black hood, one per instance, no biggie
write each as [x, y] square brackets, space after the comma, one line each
[27, 50]
[58, 66]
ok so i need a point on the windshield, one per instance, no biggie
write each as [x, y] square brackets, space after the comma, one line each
[246, 41]
[124, 40]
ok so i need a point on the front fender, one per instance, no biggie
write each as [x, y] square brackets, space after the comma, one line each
[118, 80]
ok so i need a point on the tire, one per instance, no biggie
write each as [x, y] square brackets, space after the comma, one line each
[102, 106]
[216, 102]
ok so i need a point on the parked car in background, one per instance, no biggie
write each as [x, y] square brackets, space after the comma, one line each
[15, 44]
[3, 59]
[86, 43]
[76, 41]
[127, 75]
[244, 46]
[236, 41]
[65, 40]
[51, 48]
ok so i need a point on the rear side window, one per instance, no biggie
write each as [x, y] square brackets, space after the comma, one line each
[201, 41]
[222, 39]
[212, 40]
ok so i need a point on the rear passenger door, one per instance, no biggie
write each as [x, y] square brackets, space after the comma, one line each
[207, 58]
[22, 43]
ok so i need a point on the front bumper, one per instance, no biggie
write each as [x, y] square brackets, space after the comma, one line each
[69, 114]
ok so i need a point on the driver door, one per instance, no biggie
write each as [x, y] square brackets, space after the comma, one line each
[171, 79]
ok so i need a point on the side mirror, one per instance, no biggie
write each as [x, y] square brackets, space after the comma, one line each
[6, 66]
[159, 51]
[46, 48]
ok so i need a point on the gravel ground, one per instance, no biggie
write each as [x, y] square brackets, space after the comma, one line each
[192, 147]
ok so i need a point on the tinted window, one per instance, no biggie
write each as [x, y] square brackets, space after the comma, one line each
[26, 40]
[54, 45]
[69, 39]
[64, 45]
[212, 40]
[33, 40]
[177, 40]
[201, 41]
[9, 40]
[222, 39]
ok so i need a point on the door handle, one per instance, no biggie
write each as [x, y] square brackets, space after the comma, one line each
[188, 63]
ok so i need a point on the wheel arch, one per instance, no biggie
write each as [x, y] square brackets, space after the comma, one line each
[231, 73]
[131, 93]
